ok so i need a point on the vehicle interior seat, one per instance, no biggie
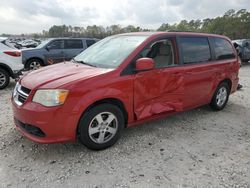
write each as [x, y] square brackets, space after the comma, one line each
[164, 55]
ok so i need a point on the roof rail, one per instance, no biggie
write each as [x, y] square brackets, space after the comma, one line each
[172, 30]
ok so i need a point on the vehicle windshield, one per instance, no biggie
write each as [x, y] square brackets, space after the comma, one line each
[43, 43]
[110, 52]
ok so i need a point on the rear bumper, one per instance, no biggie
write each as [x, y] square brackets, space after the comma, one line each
[44, 125]
[235, 85]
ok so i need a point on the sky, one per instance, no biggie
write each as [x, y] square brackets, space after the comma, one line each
[33, 16]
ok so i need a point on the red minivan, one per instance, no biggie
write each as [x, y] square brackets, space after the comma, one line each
[124, 80]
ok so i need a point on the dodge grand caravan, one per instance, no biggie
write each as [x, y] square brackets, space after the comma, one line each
[124, 80]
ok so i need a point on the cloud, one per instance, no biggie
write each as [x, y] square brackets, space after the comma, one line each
[29, 16]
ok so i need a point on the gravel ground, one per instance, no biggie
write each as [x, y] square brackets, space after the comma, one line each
[198, 148]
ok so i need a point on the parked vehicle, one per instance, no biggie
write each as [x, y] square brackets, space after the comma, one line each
[124, 80]
[29, 44]
[10, 64]
[54, 51]
[243, 49]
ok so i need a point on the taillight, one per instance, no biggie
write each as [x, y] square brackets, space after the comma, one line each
[13, 53]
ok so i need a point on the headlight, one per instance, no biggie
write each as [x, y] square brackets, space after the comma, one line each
[50, 97]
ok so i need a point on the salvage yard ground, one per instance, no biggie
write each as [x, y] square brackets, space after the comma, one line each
[196, 148]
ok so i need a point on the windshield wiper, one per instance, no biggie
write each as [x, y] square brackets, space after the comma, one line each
[82, 62]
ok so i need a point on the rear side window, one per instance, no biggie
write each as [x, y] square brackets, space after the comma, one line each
[90, 42]
[73, 44]
[195, 49]
[222, 49]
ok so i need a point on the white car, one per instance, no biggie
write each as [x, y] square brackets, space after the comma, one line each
[10, 64]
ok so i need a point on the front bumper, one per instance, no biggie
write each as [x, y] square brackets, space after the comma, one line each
[45, 125]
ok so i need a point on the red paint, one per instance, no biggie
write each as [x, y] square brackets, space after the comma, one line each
[146, 95]
[144, 64]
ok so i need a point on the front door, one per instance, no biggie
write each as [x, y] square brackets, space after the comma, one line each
[160, 90]
[55, 52]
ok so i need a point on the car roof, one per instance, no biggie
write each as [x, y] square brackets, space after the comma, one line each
[172, 33]
[63, 38]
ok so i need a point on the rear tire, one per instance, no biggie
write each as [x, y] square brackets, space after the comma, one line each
[220, 97]
[101, 126]
[4, 78]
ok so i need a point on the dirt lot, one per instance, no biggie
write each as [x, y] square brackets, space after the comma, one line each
[198, 148]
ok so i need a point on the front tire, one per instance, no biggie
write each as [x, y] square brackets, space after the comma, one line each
[220, 97]
[101, 126]
[34, 64]
[4, 78]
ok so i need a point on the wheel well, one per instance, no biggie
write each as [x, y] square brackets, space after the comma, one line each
[228, 81]
[7, 69]
[113, 101]
[38, 58]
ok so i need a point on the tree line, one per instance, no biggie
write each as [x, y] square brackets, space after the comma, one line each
[234, 24]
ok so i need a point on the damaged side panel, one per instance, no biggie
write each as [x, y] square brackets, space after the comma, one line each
[158, 91]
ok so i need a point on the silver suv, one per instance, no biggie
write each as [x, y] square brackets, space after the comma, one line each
[243, 48]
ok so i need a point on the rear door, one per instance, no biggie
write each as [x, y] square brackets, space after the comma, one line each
[159, 90]
[72, 47]
[196, 58]
[54, 53]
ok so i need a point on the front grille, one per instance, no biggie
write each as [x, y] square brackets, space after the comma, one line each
[20, 94]
[21, 99]
[31, 129]
[25, 90]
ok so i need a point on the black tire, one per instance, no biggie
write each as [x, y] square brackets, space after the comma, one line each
[89, 118]
[215, 105]
[30, 64]
[4, 78]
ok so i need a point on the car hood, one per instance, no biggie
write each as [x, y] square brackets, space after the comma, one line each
[54, 76]
[30, 50]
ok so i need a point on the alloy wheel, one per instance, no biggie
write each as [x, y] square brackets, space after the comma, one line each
[2, 79]
[221, 96]
[103, 127]
[34, 65]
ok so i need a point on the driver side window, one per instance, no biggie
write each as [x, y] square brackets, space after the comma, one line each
[56, 44]
[162, 52]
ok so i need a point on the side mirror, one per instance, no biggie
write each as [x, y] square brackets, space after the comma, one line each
[48, 47]
[144, 64]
